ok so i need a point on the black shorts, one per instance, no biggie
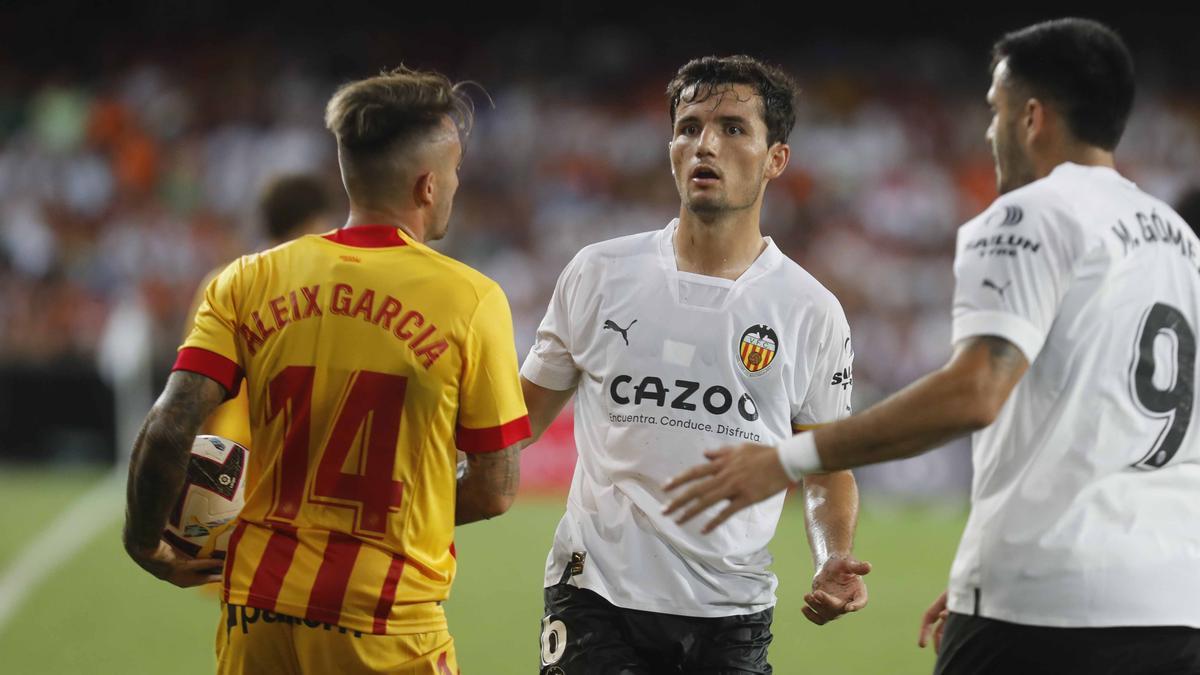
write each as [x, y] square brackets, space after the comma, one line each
[974, 645]
[584, 634]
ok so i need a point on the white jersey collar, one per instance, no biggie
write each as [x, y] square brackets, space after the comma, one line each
[765, 262]
[1072, 167]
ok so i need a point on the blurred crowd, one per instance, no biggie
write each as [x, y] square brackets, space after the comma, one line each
[137, 182]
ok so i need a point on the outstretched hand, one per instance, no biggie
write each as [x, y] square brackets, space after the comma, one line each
[169, 564]
[743, 475]
[838, 589]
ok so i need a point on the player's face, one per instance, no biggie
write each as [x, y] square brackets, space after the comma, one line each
[1014, 168]
[449, 158]
[719, 153]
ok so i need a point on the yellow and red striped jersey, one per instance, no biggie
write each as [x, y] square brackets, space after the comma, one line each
[367, 357]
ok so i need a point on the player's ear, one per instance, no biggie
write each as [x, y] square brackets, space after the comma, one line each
[777, 160]
[1033, 120]
[424, 189]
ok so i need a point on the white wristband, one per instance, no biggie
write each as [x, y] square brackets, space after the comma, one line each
[798, 455]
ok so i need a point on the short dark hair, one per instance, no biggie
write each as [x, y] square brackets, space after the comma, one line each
[706, 75]
[1079, 65]
[290, 201]
[375, 117]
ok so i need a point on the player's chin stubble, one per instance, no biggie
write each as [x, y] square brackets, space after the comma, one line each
[710, 206]
[706, 206]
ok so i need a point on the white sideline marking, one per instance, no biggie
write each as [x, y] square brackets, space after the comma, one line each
[73, 529]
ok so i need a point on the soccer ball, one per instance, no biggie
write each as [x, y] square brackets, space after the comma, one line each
[212, 497]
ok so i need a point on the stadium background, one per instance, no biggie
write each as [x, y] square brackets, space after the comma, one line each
[133, 144]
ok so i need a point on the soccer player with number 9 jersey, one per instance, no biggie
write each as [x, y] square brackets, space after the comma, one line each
[1076, 307]
[368, 358]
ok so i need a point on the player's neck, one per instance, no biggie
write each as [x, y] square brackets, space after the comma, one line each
[723, 247]
[409, 221]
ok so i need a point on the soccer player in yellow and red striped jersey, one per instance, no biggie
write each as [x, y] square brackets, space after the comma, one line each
[368, 357]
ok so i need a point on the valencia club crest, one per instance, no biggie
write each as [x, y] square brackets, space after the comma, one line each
[758, 347]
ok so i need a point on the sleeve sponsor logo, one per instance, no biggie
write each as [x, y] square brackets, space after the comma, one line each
[843, 378]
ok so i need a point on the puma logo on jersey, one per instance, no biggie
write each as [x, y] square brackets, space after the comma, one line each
[609, 324]
[988, 283]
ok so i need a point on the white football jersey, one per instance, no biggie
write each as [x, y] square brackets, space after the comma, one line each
[1086, 497]
[670, 364]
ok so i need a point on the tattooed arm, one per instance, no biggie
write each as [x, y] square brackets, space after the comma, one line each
[157, 472]
[963, 396]
[489, 486]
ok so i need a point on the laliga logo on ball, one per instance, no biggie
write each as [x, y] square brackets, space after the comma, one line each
[212, 497]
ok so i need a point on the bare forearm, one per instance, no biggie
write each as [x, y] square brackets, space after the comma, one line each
[489, 486]
[491, 481]
[830, 515]
[924, 415]
[158, 467]
[470, 506]
[157, 473]
[544, 405]
[962, 397]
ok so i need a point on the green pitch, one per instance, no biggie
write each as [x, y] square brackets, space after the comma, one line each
[100, 614]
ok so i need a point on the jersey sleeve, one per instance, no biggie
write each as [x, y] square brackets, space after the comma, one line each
[491, 412]
[550, 363]
[831, 383]
[210, 347]
[1012, 267]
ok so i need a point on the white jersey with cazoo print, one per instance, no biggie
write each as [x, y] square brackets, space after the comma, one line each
[1086, 498]
[668, 365]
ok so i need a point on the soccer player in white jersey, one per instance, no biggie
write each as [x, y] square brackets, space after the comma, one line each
[1076, 307]
[675, 342]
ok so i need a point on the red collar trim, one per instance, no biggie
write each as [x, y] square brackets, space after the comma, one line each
[368, 236]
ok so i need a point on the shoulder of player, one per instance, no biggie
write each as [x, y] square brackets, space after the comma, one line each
[806, 293]
[480, 284]
[803, 283]
[1046, 201]
[618, 247]
[259, 257]
[245, 268]
[629, 244]
[453, 271]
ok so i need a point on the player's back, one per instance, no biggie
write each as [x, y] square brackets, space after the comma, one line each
[361, 352]
[1095, 460]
